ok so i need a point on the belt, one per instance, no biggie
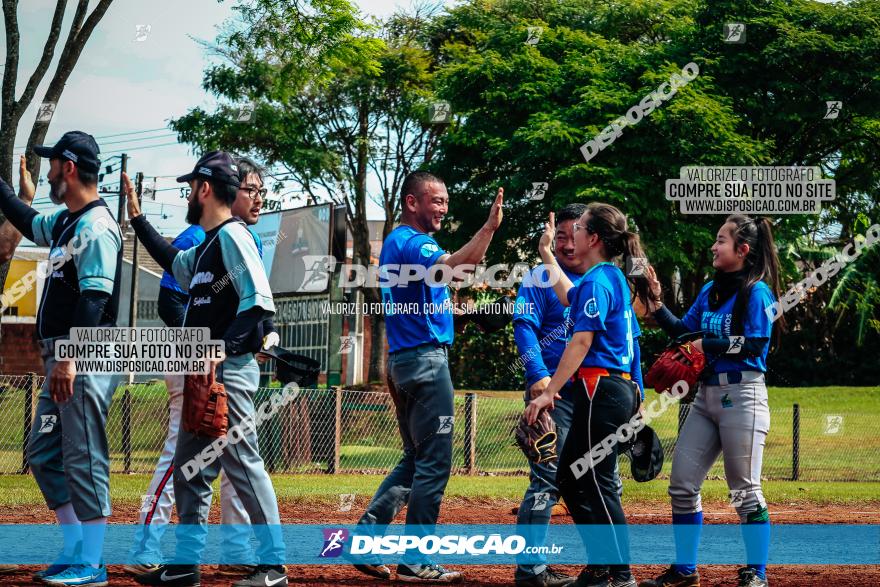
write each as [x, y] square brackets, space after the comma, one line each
[587, 372]
[733, 377]
[428, 346]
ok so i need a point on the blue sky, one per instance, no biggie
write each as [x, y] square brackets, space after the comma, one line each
[121, 85]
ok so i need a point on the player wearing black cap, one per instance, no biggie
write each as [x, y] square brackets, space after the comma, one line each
[67, 450]
[233, 314]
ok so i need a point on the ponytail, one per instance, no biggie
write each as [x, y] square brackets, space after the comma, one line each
[762, 262]
[610, 224]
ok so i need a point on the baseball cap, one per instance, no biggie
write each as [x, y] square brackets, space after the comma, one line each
[646, 454]
[75, 146]
[216, 165]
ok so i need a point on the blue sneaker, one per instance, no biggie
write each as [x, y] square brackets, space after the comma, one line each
[79, 575]
[60, 565]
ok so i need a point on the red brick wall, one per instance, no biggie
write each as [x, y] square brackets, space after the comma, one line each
[19, 353]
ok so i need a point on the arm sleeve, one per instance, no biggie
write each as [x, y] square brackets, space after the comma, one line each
[90, 308]
[669, 322]
[246, 269]
[18, 213]
[268, 326]
[239, 332]
[751, 347]
[96, 254]
[526, 331]
[163, 252]
[636, 368]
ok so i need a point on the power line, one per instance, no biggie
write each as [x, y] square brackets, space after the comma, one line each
[121, 134]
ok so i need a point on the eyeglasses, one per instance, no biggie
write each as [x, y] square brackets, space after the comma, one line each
[578, 227]
[253, 192]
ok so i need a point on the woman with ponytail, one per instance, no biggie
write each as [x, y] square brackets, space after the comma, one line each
[730, 414]
[603, 356]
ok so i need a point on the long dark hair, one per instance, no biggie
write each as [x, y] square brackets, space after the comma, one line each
[610, 224]
[761, 264]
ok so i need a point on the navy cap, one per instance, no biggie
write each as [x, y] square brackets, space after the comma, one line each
[75, 146]
[216, 165]
[646, 454]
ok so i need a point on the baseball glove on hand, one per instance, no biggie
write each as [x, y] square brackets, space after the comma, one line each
[538, 440]
[680, 362]
[205, 411]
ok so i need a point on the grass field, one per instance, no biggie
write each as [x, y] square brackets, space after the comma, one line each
[845, 450]
[21, 490]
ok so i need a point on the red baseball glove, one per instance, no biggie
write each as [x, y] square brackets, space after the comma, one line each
[681, 361]
[205, 412]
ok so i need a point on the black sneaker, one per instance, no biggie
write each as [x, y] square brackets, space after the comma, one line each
[427, 574]
[749, 578]
[265, 576]
[672, 578]
[548, 578]
[591, 576]
[172, 576]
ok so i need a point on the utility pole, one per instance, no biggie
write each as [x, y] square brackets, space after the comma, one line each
[121, 210]
[132, 298]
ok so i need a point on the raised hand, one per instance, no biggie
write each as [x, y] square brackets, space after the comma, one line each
[26, 188]
[545, 245]
[497, 211]
[132, 204]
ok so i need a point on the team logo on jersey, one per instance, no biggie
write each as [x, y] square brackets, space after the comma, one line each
[201, 277]
[47, 423]
[428, 249]
[591, 308]
[201, 301]
[334, 538]
[446, 423]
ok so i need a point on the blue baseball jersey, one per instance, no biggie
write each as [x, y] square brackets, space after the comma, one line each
[540, 324]
[191, 237]
[717, 324]
[413, 327]
[601, 303]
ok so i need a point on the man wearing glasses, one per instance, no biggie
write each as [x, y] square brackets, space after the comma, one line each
[158, 502]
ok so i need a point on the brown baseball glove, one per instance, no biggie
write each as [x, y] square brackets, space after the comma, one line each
[205, 412]
[681, 361]
[538, 440]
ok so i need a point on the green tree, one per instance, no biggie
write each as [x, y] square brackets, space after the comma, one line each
[337, 100]
[523, 110]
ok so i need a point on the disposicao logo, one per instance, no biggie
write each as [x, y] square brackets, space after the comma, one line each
[334, 538]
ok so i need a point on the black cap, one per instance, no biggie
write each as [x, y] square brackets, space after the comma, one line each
[75, 146]
[217, 165]
[646, 455]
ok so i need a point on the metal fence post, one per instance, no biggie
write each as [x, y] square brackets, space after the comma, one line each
[470, 433]
[126, 429]
[337, 433]
[796, 443]
[30, 393]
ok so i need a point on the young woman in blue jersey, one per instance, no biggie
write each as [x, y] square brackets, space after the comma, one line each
[730, 415]
[603, 357]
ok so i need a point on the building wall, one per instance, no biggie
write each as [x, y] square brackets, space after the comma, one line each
[27, 305]
[19, 353]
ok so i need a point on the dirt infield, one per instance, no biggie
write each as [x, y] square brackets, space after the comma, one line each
[495, 512]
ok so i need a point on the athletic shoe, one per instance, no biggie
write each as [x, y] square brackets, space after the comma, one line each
[377, 570]
[79, 575]
[6, 569]
[748, 578]
[265, 576]
[59, 565]
[592, 575]
[236, 570]
[672, 578]
[140, 569]
[427, 574]
[548, 578]
[172, 576]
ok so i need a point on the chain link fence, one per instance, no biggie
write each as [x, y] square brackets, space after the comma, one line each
[330, 430]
